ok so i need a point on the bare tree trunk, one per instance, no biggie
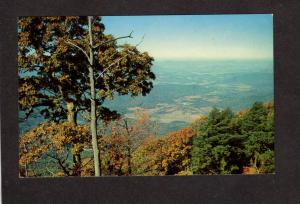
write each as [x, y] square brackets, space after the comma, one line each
[128, 148]
[25, 166]
[255, 162]
[72, 114]
[72, 118]
[93, 123]
[129, 158]
[77, 167]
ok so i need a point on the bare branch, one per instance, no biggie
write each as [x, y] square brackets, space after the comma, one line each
[115, 39]
[142, 39]
[87, 162]
[65, 159]
[61, 164]
[109, 66]
[53, 157]
[81, 49]
[50, 171]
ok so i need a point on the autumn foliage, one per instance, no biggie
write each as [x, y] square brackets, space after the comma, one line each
[169, 155]
[123, 140]
[130, 148]
[238, 143]
[69, 67]
[67, 89]
[59, 143]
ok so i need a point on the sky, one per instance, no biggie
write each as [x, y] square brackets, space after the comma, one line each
[247, 36]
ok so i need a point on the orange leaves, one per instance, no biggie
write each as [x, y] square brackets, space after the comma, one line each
[28, 95]
[250, 170]
[64, 78]
[114, 154]
[147, 158]
[124, 138]
[62, 46]
[166, 156]
[97, 28]
[87, 168]
[23, 39]
[52, 139]
[23, 22]
[76, 149]
[178, 148]
[131, 148]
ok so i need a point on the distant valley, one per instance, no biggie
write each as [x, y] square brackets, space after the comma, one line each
[184, 90]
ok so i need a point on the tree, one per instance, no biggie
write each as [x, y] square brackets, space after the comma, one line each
[169, 155]
[140, 129]
[235, 143]
[57, 143]
[114, 157]
[177, 151]
[218, 147]
[147, 159]
[121, 142]
[258, 126]
[48, 72]
[60, 79]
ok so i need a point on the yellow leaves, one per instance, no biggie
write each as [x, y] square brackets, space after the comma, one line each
[23, 39]
[96, 28]
[28, 94]
[162, 156]
[164, 163]
[62, 47]
[52, 138]
[59, 174]
[184, 173]
[27, 88]
[87, 167]
[102, 93]
[23, 22]
[58, 141]
[76, 148]
[185, 162]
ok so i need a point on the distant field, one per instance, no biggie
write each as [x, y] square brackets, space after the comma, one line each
[184, 90]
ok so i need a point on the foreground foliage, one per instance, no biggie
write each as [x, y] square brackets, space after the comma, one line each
[169, 155]
[223, 142]
[58, 144]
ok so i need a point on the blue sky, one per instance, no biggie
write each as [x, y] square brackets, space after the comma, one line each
[198, 36]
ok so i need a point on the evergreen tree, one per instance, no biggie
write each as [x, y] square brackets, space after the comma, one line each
[258, 126]
[227, 142]
[217, 149]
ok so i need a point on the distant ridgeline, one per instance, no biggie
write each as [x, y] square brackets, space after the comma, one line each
[223, 142]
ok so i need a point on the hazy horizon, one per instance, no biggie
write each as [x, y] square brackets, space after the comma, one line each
[189, 37]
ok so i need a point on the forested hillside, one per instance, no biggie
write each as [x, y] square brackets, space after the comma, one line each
[223, 142]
